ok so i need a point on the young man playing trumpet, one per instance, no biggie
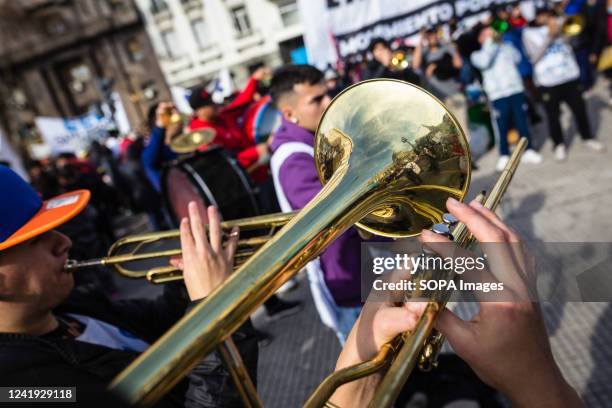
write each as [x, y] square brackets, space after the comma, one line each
[52, 337]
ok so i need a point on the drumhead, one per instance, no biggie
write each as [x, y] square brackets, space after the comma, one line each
[211, 177]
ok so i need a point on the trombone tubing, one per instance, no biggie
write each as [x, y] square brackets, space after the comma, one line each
[408, 355]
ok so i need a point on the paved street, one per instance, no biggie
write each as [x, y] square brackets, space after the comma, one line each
[551, 202]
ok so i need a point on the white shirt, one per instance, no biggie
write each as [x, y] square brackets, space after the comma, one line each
[105, 334]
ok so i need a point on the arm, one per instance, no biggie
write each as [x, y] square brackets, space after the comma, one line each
[245, 96]
[417, 56]
[154, 316]
[206, 263]
[152, 155]
[457, 60]
[254, 156]
[533, 48]
[516, 54]
[483, 59]
[523, 347]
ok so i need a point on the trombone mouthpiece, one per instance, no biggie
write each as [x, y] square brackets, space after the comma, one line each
[72, 265]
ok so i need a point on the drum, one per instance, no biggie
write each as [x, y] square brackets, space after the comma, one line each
[211, 177]
[261, 120]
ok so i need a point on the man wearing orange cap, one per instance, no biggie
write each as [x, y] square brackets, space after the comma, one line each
[52, 335]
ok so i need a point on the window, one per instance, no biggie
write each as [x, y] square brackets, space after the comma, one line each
[241, 21]
[80, 75]
[134, 50]
[55, 25]
[157, 6]
[289, 12]
[200, 31]
[116, 4]
[171, 44]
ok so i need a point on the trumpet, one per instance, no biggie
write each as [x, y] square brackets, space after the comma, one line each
[573, 25]
[128, 254]
[399, 61]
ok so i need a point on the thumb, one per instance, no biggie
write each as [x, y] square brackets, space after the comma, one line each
[396, 320]
[458, 332]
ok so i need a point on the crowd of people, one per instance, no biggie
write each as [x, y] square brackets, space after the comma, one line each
[52, 334]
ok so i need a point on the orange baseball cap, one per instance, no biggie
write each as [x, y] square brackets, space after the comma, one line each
[25, 215]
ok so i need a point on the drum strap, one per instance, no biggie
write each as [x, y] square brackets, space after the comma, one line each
[324, 302]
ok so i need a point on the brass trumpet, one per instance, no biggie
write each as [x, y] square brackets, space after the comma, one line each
[130, 250]
[399, 61]
[573, 25]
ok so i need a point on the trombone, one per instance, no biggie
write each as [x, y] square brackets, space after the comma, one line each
[127, 251]
[389, 155]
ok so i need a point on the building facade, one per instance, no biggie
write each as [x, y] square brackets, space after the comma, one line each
[195, 39]
[65, 58]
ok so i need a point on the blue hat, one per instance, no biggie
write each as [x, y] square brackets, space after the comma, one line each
[25, 215]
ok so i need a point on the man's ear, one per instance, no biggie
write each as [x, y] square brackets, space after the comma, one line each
[287, 113]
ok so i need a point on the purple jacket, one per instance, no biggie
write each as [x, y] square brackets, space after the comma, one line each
[298, 177]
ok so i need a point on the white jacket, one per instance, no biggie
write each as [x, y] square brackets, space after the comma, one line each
[498, 64]
[553, 60]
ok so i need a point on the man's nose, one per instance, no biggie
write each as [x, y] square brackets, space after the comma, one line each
[62, 243]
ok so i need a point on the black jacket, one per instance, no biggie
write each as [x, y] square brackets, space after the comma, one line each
[34, 361]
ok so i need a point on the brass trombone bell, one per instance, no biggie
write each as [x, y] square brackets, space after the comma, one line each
[191, 141]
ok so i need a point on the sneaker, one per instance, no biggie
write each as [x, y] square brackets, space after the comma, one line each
[501, 162]
[560, 153]
[282, 308]
[531, 156]
[595, 145]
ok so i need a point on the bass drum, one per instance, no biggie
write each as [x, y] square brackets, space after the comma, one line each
[211, 177]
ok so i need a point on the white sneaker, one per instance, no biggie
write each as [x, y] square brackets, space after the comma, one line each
[560, 153]
[501, 162]
[595, 145]
[531, 156]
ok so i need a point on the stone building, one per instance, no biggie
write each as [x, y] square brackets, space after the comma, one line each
[64, 58]
[195, 39]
